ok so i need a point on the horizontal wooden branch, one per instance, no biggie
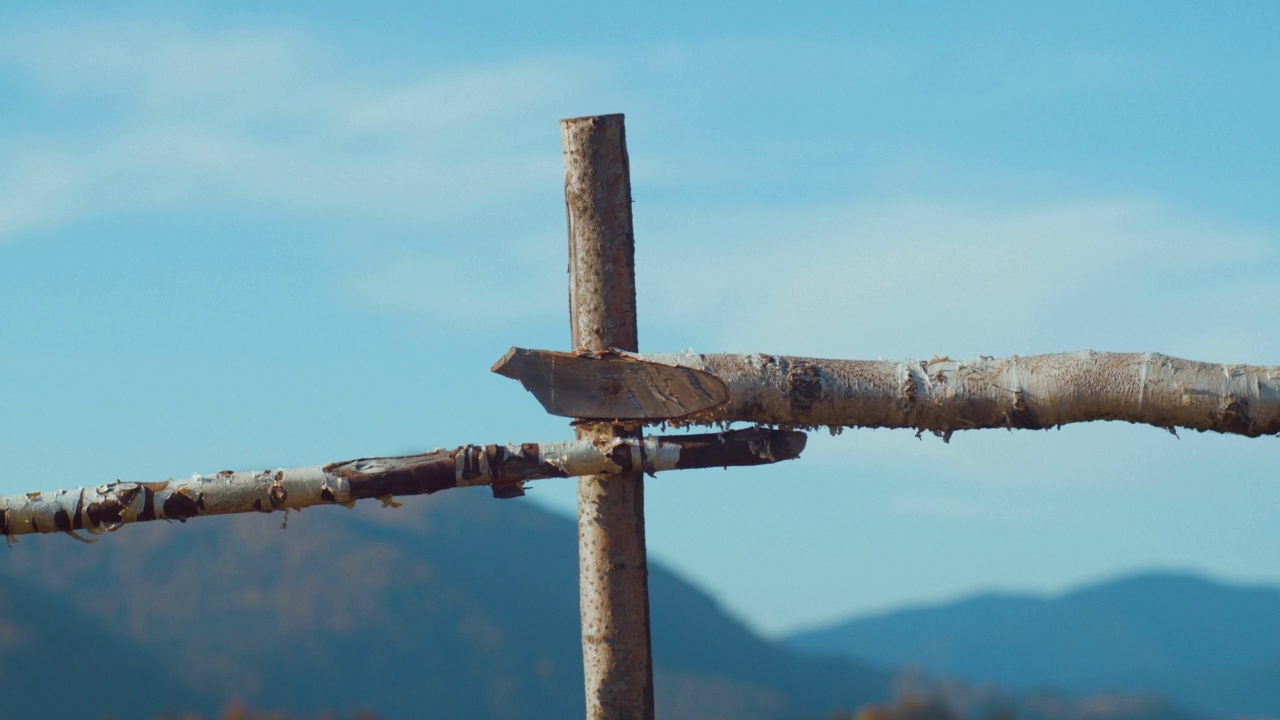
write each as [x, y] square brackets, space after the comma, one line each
[503, 467]
[940, 395]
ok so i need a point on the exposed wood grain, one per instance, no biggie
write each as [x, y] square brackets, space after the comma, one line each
[567, 386]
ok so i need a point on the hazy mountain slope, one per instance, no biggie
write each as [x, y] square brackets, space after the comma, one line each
[1207, 645]
[56, 664]
[453, 606]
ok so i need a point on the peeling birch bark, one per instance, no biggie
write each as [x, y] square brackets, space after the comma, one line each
[940, 395]
[503, 467]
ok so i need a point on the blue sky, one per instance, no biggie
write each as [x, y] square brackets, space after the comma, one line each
[235, 237]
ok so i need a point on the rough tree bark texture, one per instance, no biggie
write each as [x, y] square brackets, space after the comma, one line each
[1033, 392]
[939, 395]
[504, 467]
[614, 572]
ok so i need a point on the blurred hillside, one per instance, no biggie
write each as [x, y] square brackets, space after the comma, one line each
[460, 606]
[1204, 645]
[453, 606]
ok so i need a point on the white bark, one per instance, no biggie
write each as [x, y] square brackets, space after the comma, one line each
[505, 467]
[943, 395]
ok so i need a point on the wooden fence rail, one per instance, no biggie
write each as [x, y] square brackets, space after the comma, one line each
[503, 467]
[940, 395]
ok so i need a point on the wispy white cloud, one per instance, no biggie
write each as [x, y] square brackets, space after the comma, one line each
[915, 278]
[170, 115]
[36, 191]
[423, 107]
[165, 114]
[153, 63]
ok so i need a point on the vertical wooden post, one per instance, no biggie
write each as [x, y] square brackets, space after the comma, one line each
[614, 573]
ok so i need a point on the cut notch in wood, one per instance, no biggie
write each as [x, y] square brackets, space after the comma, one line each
[611, 386]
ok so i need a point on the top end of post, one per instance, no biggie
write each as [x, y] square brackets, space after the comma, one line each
[608, 118]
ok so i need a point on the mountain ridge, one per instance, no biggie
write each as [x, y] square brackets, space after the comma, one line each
[455, 605]
[1209, 645]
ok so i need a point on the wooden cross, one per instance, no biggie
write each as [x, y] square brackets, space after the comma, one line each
[612, 391]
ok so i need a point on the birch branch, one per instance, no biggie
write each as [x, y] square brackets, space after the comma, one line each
[503, 467]
[940, 395]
